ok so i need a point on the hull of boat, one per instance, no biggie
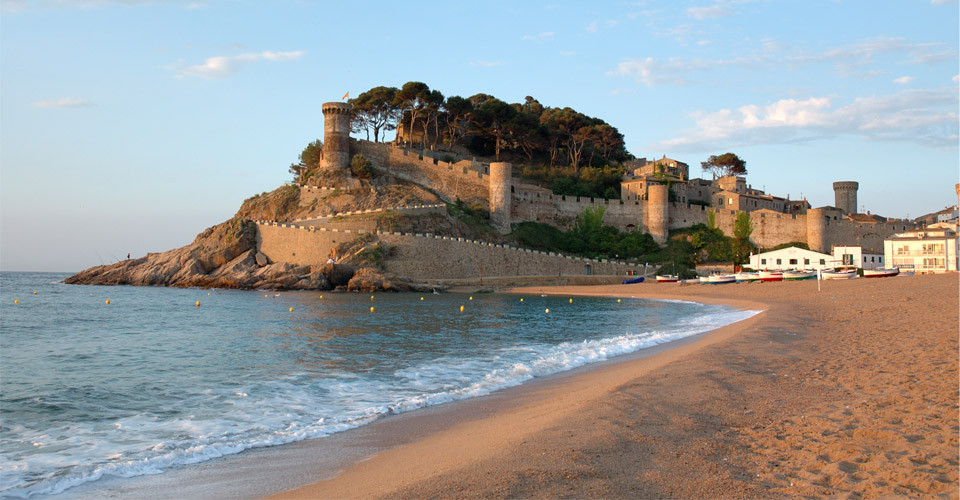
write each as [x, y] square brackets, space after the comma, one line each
[880, 273]
[667, 279]
[721, 279]
[798, 275]
[843, 275]
[771, 276]
[743, 277]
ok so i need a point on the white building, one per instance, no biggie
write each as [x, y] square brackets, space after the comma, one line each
[792, 258]
[855, 256]
[930, 250]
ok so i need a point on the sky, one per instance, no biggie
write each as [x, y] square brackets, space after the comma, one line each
[129, 126]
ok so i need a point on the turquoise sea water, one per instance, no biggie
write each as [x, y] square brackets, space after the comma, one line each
[151, 381]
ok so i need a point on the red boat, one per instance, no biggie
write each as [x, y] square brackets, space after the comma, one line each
[771, 276]
[667, 279]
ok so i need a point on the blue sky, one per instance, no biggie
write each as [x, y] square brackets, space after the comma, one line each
[132, 125]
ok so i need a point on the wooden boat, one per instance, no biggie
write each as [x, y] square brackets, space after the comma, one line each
[839, 275]
[742, 277]
[880, 273]
[719, 279]
[771, 276]
[633, 280]
[799, 275]
[667, 278]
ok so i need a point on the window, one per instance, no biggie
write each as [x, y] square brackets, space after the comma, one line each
[778, 261]
[763, 261]
[793, 262]
[806, 262]
[871, 259]
[823, 261]
[730, 201]
[864, 258]
[847, 259]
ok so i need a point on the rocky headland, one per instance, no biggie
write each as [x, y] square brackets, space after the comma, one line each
[226, 256]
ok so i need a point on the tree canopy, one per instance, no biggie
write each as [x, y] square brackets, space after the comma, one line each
[725, 164]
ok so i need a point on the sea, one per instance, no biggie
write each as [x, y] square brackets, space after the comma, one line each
[102, 382]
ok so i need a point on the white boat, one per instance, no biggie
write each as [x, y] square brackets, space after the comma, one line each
[704, 280]
[799, 275]
[742, 277]
[880, 273]
[719, 279]
[667, 278]
[771, 276]
[839, 275]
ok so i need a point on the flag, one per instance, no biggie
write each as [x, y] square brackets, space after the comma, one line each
[345, 95]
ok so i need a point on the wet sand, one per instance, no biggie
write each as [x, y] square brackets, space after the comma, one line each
[848, 392]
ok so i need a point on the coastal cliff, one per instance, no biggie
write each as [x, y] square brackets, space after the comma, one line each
[225, 256]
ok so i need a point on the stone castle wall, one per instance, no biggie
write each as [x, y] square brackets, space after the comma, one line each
[464, 179]
[426, 257]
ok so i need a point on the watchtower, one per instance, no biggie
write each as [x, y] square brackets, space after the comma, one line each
[658, 215]
[500, 195]
[845, 196]
[336, 135]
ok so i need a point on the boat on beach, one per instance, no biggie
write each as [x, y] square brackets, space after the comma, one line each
[719, 279]
[839, 275]
[742, 277]
[880, 273]
[638, 279]
[799, 275]
[771, 276]
[667, 278]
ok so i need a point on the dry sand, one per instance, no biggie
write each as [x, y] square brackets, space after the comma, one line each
[850, 392]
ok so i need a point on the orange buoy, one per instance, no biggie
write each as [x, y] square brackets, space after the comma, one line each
[107, 301]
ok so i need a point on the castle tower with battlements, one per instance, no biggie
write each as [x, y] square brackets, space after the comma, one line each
[845, 196]
[336, 136]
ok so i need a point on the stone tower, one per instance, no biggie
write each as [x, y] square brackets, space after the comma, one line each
[816, 230]
[658, 215]
[336, 136]
[845, 196]
[501, 181]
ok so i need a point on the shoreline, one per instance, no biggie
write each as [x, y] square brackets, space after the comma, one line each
[728, 414]
[536, 400]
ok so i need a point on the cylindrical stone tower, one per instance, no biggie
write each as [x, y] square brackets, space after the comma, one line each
[816, 230]
[501, 180]
[658, 215]
[845, 196]
[336, 135]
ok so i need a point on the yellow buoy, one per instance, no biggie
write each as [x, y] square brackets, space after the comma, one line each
[291, 309]
[107, 301]
[547, 311]
[521, 300]
[471, 297]
[618, 300]
[461, 308]
[321, 296]
[15, 301]
[208, 293]
[571, 301]
[34, 292]
[371, 297]
[198, 303]
[265, 296]
[371, 308]
[421, 298]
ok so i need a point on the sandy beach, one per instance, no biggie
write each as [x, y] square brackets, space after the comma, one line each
[849, 392]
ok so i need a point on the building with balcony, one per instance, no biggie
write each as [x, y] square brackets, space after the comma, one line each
[929, 250]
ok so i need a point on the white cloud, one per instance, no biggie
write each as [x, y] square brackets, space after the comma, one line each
[66, 102]
[539, 37]
[925, 117]
[956, 78]
[593, 27]
[713, 11]
[904, 80]
[224, 66]
[942, 2]
[850, 61]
